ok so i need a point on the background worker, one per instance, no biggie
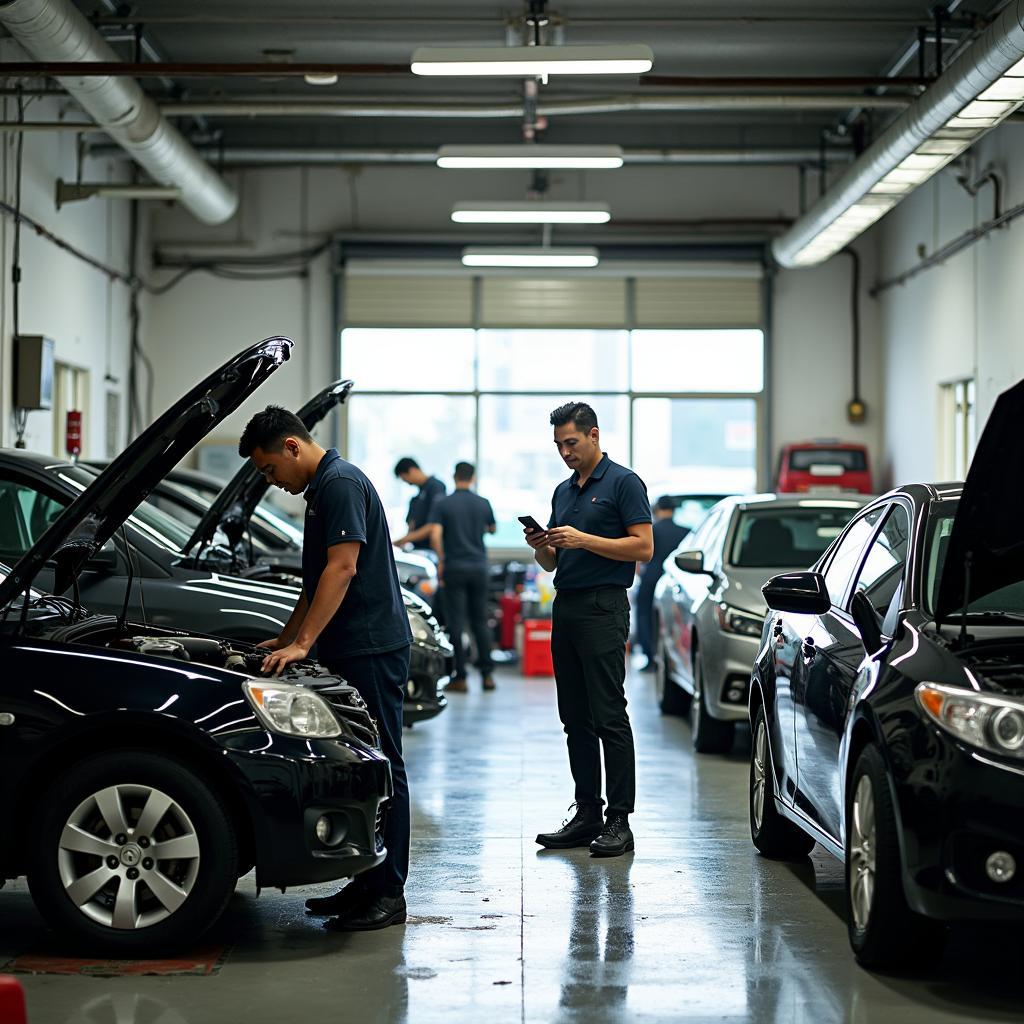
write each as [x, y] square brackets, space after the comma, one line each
[421, 505]
[459, 523]
[667, 536]
[351, 608]
[600, 527]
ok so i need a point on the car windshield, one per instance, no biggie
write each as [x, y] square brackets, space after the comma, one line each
[1006, 599]
[771, 538]
[154, 523]
[851, 460]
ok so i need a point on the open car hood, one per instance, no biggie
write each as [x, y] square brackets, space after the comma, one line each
[987, 527]
[233, 507]
[94, 516]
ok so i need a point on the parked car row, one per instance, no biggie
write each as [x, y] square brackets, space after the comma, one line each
[145, 764]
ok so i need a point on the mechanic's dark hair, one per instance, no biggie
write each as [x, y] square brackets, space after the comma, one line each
[404, 465]
[464, 472]
[267, 431]
[665, 504]
[578, 413]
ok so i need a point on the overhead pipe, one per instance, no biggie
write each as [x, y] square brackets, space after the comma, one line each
[54, 30]
[996, 50]
[653, 103]
[257, 156]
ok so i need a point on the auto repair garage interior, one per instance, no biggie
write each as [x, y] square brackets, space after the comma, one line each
[773, 246]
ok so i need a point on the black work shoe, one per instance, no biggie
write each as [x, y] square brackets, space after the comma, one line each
[375, 913]
[615, 838]
[579, 830]
[489, 683]
[340, 903]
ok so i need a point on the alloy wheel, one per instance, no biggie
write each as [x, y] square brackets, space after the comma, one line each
[128, 856]
[759, 774]
[862, 853]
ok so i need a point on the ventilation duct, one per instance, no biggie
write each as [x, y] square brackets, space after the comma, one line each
[979, 90]
[54, 30]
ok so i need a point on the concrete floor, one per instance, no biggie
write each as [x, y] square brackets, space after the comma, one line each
[694, 926]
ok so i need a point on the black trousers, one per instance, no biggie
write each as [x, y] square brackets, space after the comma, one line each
[381, 680]
[589, 630]
[645, 617]
[465, 598]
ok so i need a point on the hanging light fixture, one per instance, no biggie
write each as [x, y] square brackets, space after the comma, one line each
[532, 61]
[530, 155]
[530, 256]
[530, 211]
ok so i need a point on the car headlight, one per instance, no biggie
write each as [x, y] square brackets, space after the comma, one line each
[420, 627]
[292, 710]
[732, 620]
[984, 720]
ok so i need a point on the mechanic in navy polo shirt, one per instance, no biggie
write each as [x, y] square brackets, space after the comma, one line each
[351, 608]
[600, 527]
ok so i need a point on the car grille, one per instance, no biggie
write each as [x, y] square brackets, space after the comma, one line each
[351, 711]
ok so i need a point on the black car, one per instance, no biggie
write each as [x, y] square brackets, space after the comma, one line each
[144, 769]
[887, 703]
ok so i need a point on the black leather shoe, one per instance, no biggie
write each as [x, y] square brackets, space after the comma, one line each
[579, 830]
[615, 838]
[340, 903]
[375, 913]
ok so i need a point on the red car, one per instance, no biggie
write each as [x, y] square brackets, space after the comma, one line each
[823, 466]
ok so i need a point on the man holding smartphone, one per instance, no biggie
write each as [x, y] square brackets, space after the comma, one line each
[600, 527]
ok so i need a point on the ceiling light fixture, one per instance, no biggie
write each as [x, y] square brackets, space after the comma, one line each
[321, 78]
[530, 155]
[530, 256]
[532, 61]
[968, 115]
[531, 211]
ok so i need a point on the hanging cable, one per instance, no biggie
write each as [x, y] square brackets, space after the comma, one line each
[20, 415]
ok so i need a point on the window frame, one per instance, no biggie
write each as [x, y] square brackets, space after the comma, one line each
[892, 509]
[883, 509]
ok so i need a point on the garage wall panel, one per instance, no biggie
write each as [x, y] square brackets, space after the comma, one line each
[569, 302]
[392, 301]
[698, 302]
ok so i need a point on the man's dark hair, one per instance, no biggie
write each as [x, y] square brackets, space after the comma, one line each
[578, 413]
[267, 431]
[665, 504]
[464, 472]
[404, 465]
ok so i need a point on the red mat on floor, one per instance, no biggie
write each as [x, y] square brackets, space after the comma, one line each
[202, 962]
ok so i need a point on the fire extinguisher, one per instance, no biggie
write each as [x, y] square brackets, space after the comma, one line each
[73, 434]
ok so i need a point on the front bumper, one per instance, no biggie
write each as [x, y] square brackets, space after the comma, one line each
[291, 784]
[430, 670]
[727, 666]
[957, 806]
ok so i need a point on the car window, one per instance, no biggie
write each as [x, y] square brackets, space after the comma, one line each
[713, 544]
[847, 556]
[25, 515]
[883, 569]
[697, 541]
[787, 537]
[850, 460]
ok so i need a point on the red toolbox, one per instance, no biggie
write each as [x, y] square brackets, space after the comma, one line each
[537, 648]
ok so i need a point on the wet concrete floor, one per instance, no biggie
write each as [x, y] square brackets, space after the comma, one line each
[693, 926]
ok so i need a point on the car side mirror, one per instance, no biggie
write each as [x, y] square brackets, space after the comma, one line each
[865, 618]
[804, 593]
[105, 560]
[691, 561]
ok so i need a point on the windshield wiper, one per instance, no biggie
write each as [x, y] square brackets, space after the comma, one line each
[986, 614]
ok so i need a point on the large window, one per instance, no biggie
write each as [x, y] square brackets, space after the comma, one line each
[681, 407]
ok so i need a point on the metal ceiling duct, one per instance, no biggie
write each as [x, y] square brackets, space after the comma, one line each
[997, 50]
[54, 30]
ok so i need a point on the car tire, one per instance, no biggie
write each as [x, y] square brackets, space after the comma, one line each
[672, 698]
[774, 835]
[884, 931]
[709, 735]
[143, 905]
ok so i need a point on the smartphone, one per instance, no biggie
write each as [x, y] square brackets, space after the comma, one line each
[530, 523]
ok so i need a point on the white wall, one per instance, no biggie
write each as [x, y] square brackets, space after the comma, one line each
[61, 297]
[959, 320]
[205, 319]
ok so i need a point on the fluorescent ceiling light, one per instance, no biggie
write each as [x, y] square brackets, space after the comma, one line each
[532, 61]
[531, 211]
[318, 78]
[530, 156]
[529, 256]
[1005, 89]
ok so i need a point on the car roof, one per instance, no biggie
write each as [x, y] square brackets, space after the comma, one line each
[808, 499]
[38, 460]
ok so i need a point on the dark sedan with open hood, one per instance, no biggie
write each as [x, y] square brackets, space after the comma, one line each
[887, 704]
[143, 769]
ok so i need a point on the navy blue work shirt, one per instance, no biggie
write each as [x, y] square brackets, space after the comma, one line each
[465, 517]
[341, 506]
[613, 498]
[421, 506]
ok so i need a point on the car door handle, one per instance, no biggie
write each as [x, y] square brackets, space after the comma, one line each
[808, 650]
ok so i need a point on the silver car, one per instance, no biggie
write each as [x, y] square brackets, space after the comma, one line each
[708, 608]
